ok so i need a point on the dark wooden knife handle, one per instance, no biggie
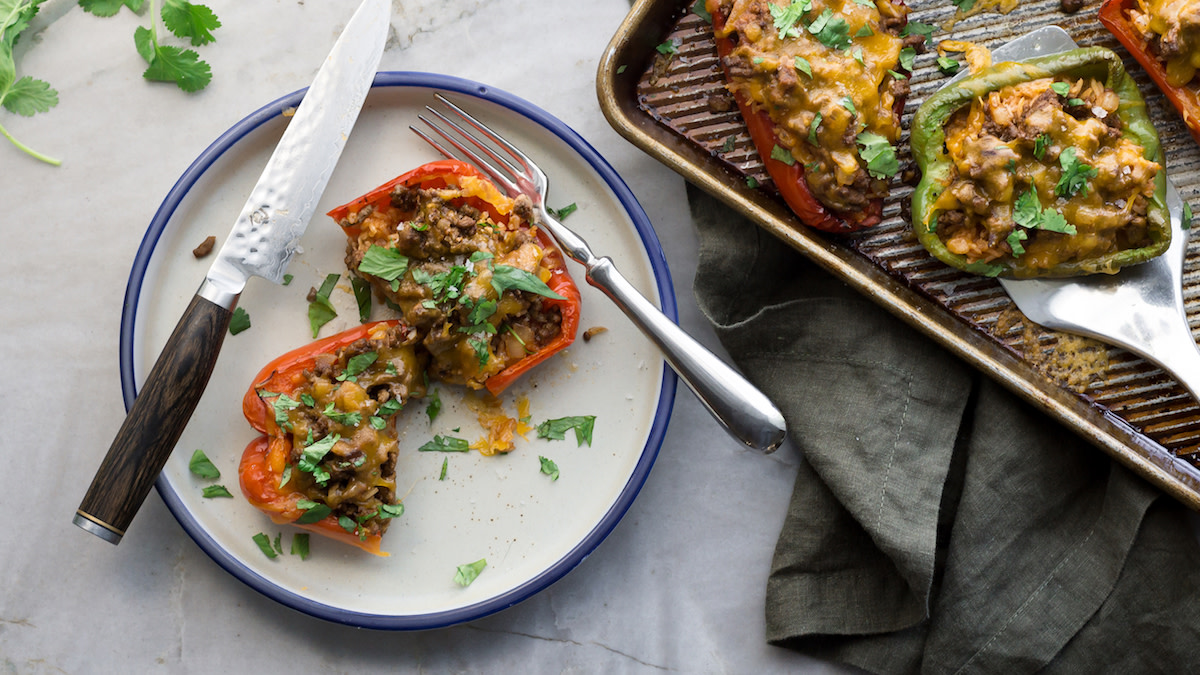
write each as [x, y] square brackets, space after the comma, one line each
[154, 423]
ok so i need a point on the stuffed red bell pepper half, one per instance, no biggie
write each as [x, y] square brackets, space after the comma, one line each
[821, 85]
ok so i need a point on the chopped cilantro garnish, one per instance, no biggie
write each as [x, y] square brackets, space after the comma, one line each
[312, 455]
[812, 129]
[283, 405]
[858, 54]
[782, 154]
[831, 31]
[287, 475]
[357, 365]
[434, 406]
[482, 349]
[1075, 174]
[287, 279]
[505, 277]
[848, 104]
[964, 5]
[1061, 88]
[349, 419]
[667, 48]
[445, 465]
[1040, 144]
[786, 18]
[1014, 239]
[556, 429]
[313, 511]
[561, 214]
[907, 56]
[239, 322]
[918, 28]
[300, 545]
[216, 491]
[948, 65]
[466, 574]
[1186, 223]
[803, 66]
[387, 511]
[202, 466]
[264, 545]
[751, 182]
[445, 444]
[444, 285]
[385, 263]
[865, 31]
[549, 467]
[1028, 213]
[701, 11]
[879, 155]
[320, 310]
[362, 296]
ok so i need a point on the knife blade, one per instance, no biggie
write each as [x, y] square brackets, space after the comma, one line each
[261, 243]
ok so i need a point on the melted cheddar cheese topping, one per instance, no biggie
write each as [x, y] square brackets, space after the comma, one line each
[1173, 28]
[822, 82]
[1042, 174]
[342, 424]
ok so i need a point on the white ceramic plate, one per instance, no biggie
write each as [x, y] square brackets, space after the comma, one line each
[531, 530]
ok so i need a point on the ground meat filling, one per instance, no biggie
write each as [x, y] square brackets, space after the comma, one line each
[1043, 175]
[342, 422]
[452, 251]
[822, 88]
[1171, 29]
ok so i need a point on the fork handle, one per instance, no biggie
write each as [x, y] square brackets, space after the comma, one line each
[744, 411]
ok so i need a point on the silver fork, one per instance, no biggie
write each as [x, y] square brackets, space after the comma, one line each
[743, 410]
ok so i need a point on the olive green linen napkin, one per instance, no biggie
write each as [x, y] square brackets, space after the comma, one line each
[938, 523]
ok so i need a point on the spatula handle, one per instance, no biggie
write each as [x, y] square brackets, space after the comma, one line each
[154, 423]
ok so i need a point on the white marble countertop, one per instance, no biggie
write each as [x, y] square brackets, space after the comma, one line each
[677, 586]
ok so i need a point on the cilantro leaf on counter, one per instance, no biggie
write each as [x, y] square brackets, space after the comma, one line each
[465, 574]
[556, 429]
[1186, 223]
[701, 11]
[445, 465]
[202, 466]
[948, 65]
[963, 5]
[434, 406]
[25, 96]
[168, 63]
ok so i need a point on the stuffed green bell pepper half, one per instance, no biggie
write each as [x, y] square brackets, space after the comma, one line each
[1048, 167]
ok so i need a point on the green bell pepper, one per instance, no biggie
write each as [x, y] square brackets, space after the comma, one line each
[928, 148]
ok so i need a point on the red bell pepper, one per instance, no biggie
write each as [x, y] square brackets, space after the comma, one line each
[789, 178]
[1114, 14]
[483, 195]
[266, 459]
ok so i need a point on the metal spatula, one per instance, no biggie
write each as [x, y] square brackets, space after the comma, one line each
[1141, 307]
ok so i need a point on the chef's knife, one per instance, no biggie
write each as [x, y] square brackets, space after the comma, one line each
[262, 241]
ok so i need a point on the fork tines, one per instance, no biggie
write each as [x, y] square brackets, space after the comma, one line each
[501, 176]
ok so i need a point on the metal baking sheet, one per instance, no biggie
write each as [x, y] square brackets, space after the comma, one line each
[673, 106]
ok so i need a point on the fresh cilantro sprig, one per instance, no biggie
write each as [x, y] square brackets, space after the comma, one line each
[1075, 174]
[25, 96]
[168, 63]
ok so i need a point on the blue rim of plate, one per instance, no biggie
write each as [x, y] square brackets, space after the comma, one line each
[610, 519]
